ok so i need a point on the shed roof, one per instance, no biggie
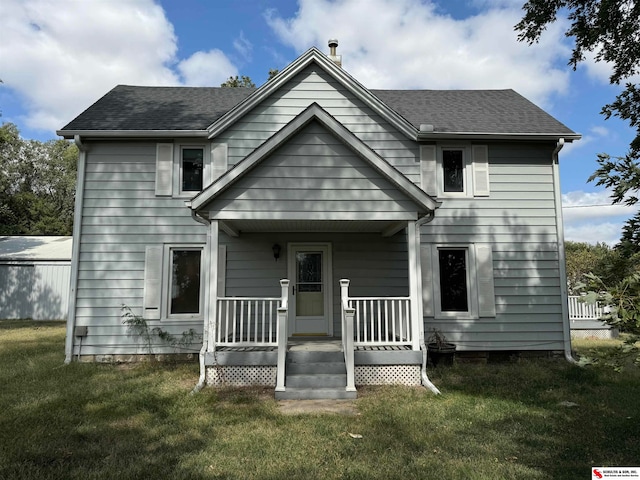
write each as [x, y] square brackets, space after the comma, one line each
[35, 248]
[139, 108]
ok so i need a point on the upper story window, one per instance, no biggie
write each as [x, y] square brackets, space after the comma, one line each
[191, 169]
[453, 170]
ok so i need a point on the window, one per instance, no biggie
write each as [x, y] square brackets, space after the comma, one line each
[453, 171]
[184, 282]
[191, 169]
[455, 287]
[454, 291]
[457, 281]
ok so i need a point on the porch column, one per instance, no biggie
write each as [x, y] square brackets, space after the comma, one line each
[415, 274]
[211, 286]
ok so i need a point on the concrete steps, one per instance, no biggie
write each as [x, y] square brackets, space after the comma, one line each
[312, 375]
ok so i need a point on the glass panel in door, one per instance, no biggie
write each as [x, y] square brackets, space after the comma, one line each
[309, 287]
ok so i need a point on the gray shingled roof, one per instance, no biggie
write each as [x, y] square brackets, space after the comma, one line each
[158, 108]
[477, 111]
[195, 108]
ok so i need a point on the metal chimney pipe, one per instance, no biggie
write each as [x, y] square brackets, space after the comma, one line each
[333, 44]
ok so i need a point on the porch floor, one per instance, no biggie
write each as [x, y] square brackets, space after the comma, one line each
[315, 344]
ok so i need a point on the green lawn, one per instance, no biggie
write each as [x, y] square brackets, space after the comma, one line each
[85, 421]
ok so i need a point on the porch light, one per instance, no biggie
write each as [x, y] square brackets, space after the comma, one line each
[276, 251]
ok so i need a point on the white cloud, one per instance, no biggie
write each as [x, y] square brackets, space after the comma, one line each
[601, 70]
[595, 133]
[410, 44]
[243, 47]
[590, 217]
[207, 69]
[593, 233]
[579, 205]
[61, 58]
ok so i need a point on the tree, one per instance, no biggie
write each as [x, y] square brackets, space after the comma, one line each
[582, 259]
[610, 30]
[243, 81]
[629, 244]
[272, 73]
[37, 184]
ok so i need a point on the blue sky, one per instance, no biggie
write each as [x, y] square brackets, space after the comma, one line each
[59, 56]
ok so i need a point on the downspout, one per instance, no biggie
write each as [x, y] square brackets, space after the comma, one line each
[423, 371]
[205, 327]
[75, 250]
[566, 327]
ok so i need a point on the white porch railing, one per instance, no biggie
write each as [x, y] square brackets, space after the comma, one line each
[255, 322]
[382, 321]
[249, 321]
[245, 321]
[580, 310]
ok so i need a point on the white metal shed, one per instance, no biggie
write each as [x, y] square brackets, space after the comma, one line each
[34, 277]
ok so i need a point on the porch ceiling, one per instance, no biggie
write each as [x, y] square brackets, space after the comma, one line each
[351, 226]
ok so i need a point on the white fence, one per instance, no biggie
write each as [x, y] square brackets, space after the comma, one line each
[581, 310]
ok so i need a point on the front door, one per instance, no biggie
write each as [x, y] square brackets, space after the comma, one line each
[310, 303]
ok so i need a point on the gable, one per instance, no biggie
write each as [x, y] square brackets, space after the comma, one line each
[313, 176]
[313, 169]
[314, 85]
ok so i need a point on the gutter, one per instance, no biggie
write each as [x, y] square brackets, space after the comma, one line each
[423, 370]
[426, 135]
[566, 326]
[75, 250]
[131, 133]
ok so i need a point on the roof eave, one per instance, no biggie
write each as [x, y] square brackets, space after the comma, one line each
[434, 136]
[70, 134]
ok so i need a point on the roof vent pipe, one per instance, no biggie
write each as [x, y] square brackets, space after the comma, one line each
[337, 59]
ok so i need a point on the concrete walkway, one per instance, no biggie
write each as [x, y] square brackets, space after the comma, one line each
[303, 407]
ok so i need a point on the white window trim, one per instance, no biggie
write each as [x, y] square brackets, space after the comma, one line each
[177, 168]
[467, 171]
[166, 282]
[472, 288]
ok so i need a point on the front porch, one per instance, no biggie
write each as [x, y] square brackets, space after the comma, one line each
[379, 344]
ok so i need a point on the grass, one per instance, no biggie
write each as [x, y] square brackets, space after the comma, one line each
[88, 421]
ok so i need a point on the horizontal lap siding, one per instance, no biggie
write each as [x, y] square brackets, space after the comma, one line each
[313, 85]
[314, 173]
[375, 265]
[518, 219]
[121, 216]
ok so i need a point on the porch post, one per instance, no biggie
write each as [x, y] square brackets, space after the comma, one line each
[413, 248]
[347, 334]
[283, 336]
[211, 288]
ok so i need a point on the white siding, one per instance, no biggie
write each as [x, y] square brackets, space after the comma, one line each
[35, 290]
[122, 216]
[314, 85]
[518, 219]
[313, 176]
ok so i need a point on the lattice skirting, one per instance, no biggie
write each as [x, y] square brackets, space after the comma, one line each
[595, 333]
[242, 375]
[387, 375]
